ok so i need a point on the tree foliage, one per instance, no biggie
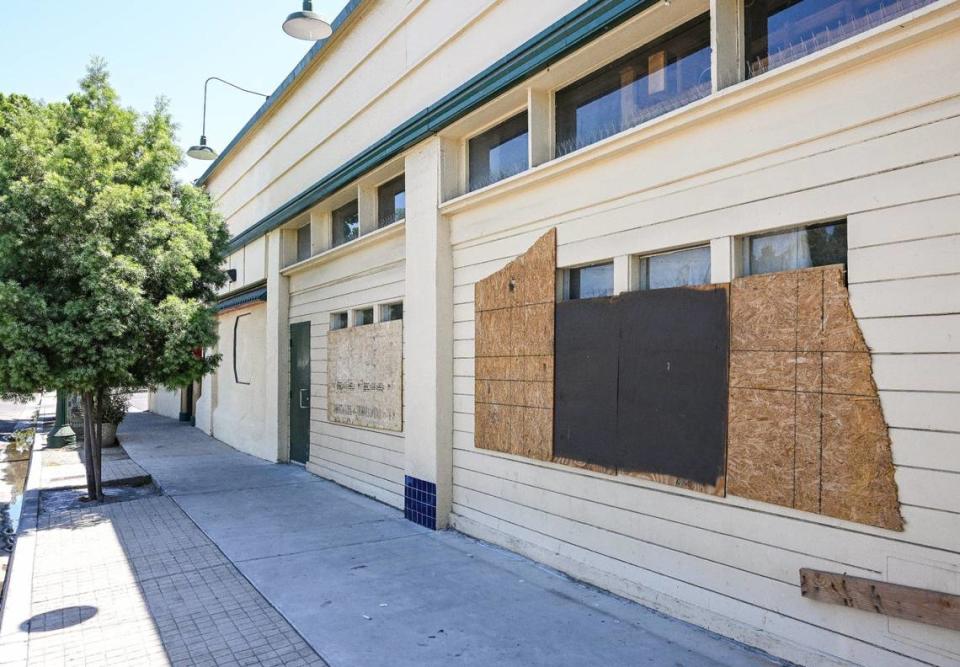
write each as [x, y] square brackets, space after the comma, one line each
[108, 264]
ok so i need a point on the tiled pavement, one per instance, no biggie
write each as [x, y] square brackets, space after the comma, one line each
[244, 562]
[137, 583]
[64, 467]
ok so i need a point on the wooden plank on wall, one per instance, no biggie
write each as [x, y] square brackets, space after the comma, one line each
[880, 597]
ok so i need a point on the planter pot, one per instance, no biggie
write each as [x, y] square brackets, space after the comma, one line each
[108, 436]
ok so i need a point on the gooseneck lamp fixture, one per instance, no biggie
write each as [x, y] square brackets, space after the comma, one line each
[201, 151]
[307, 24]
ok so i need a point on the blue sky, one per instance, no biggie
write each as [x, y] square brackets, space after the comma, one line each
[156, 48]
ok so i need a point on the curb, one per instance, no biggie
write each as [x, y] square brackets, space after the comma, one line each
[18, 590]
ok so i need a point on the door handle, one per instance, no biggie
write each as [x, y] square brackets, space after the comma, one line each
[301, 398]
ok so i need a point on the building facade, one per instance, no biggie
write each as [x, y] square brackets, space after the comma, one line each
[539, 272]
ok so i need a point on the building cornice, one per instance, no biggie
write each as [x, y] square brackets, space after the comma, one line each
[579, 27]
[285, 88]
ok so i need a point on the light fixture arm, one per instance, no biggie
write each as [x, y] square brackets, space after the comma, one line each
[232, 85]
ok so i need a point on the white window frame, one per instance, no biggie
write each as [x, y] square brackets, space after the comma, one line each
[642, 263]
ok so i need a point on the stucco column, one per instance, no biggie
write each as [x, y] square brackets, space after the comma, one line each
[203, 419]
[428, 328]
[277, 390]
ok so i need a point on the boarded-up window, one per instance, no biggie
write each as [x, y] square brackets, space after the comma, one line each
[365, 376]
[642, 382]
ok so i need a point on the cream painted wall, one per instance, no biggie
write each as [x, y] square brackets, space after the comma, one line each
[865, 130]
[397, 59]
[854, 133]
[164, 402]
[238, 408]
[369, 273]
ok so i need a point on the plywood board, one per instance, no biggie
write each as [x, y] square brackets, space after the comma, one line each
[806, 427]
[763, 313]
[514, 429]
[641, 385]
[718, 489]
[587, 364]
[857, 482]
[365, 376]
[672, 413]
[761, 445]
[880, 597]
[514, 351]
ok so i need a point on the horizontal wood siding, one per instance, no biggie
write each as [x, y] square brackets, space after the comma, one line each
[888, 163]
[366, 460]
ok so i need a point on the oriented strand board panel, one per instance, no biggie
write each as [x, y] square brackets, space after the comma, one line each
[514, 340]
[672, 388]
[365, 376]
[806, 429]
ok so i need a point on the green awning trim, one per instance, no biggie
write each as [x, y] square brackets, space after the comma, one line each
[243, 298]
[581, 26]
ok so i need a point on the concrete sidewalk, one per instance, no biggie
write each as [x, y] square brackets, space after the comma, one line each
[364, 586]
[131, 581]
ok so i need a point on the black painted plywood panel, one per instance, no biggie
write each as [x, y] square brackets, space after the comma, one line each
[585, 405]
[672, 413]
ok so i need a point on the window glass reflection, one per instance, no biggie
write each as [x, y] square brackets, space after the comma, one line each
[668, 73]
[346, 224]
[779, 31]
[499, 152]
[587, 282]
[817, 245]
[676, 269]
[391, 202]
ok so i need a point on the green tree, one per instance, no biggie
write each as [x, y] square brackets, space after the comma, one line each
[108, 264]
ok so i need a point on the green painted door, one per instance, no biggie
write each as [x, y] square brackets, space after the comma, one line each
[300, 392]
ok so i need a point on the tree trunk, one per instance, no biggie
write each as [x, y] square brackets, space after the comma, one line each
[98, 445]
[88, 436]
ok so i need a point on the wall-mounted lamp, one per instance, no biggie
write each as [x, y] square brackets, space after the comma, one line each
[307, 24]
[201, 151]
[232, 275]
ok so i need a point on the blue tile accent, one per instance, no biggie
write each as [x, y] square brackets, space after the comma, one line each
[420, 501]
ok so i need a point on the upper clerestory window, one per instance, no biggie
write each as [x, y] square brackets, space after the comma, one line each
[346, 223]
[779, 31]
[588, 282]
[303, 242]
[499, 152]
[677, 268]
[663, 75]
[797, 248]
[391, 202]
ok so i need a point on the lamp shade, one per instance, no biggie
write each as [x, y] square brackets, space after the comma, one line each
[201, 151]
[306, 24]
